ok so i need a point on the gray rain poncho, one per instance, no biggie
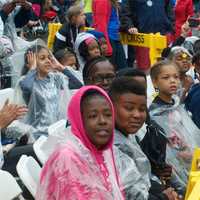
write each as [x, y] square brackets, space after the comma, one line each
[183, 136]
[134, 167]
[48, 99]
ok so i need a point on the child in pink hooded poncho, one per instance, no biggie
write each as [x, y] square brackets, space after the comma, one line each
[82, 170]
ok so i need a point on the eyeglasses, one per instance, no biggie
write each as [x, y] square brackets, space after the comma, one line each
[100, 79]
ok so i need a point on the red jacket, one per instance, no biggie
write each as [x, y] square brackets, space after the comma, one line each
[101, 10]
[183, 9]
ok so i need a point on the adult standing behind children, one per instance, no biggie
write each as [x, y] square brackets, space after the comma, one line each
[183, 10]
[66, 36]
[106, 20]
[147, 16]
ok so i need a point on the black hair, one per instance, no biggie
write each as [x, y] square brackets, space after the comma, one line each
[130, 72]
[89, 94]
[196, 46]
[59, 55]
[196, 57]
[62, 52]
[156, 68]
[83, 50]
[90, 64]
[34, 49]
[122, 85]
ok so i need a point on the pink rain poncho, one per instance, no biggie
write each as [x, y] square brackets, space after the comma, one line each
[77, 170]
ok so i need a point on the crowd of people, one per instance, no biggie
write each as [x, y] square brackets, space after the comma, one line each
[131, 128]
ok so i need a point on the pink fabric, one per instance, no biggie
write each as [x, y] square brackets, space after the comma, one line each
[88, 41]
[77, 127]
[101, 10]
[36, 9]
[78, 170]
[183, 10]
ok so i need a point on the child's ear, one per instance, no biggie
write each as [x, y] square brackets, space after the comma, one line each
[155, 85]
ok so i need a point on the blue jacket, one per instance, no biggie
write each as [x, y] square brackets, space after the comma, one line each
[192, 103]
[148, 19]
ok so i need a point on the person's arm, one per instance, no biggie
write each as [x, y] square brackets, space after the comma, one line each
[127, 16]
[61, 38]
[74, 83]
[6, 10]
[27, 83]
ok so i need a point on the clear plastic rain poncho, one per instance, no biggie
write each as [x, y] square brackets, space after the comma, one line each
[133, 166]
[78, 170]
[183, 136]
[47, 99]
[10, 28]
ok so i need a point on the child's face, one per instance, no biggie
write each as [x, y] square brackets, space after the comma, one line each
[93, 49]
[80, 19]
[97, 119]
[183, 61]
[70, 61]
[130, 112]
[168, 80]
[104, 47]
[102, 75]
[44, 64]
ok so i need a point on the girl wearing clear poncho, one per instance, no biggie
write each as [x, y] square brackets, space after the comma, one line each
[84, 168]
[44, 90]
[183, 136]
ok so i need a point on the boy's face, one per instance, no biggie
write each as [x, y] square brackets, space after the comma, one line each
[130, 112]
[183, 61]
[98, 120]
[102, 75]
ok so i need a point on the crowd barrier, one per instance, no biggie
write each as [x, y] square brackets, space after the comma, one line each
[193, 187]
[155, 42]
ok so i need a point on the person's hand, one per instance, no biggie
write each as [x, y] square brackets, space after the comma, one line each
[185, 29]
[56, 65]
[31, 59]
[132, 30]
[23, 3]
[164, 173]
[11, 112]
[171, 194]
[8, 7]
[185, 155]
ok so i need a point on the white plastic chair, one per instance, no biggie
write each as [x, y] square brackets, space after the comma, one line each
[29, 172]
[57, 127]
[38, 149]
[5, 94]
[9, 189]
